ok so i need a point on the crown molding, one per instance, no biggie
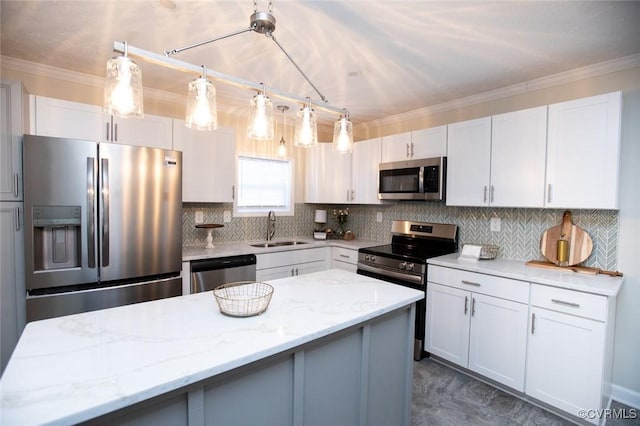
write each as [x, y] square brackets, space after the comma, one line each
[615, 65]
[80, 78]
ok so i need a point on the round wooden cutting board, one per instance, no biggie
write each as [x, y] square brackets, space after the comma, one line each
[580, 243]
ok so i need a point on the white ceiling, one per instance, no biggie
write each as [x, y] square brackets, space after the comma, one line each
[375, 58]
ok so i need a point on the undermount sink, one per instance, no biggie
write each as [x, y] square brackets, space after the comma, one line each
[278, 243]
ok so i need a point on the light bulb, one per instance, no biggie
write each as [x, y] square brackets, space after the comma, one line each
[201, 105]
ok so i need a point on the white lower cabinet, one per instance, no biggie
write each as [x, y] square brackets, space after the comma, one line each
[271, 266]
[482, 333]
[344, 258]
[569, 358]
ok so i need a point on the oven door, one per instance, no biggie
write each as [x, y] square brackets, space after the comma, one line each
[421, 305]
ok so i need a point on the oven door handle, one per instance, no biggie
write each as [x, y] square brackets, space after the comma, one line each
[416, 279]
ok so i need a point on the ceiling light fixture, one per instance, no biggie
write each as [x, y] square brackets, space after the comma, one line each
[282, 147]
[260, 22]
[123, 87]
[343, 134]
[260, 117]
[201, 104]
[306, 131]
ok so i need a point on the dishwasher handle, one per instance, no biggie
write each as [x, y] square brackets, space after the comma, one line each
[222, 263]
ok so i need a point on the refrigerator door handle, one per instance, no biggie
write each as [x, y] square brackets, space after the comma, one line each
[91, 213]
[105, 212]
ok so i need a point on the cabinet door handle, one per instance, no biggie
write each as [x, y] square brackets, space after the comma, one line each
[353, 194]
[470, 283]
[484, 197]
[296, 271]
[407, 150]
[17, 218]
[473, 306]
[411, 149]
[16, 185]
[108, 130]
[548, 193]
[292, 272]
[533, 323]
[562, 302]
[115, 132]
[348, 195]
[491, 194]
[233, 192]
[466, 304]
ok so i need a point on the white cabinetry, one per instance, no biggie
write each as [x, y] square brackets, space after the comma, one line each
[66, 119]
[583, 153]
[12, 289]
[332, 177]
[424, 143]
[11, 116]
[208, 159]
[498, 161]
[569, 355]
[271, 266]
[344, 258]
[478, 322]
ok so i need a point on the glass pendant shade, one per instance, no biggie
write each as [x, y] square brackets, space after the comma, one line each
[201, 105]
[343, 135]
[123, 88]
[306, 130]
[282, 149]
[260, 118]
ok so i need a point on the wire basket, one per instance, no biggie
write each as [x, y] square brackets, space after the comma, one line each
[487, 251]
[244, 298]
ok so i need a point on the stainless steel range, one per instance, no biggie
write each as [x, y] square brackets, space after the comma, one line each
[404, 261]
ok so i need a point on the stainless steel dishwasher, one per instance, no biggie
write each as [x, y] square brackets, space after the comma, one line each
[210, 273]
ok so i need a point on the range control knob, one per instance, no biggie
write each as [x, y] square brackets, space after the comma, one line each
[366, 257]
[410, 266]
[403, 265]
[373, 258]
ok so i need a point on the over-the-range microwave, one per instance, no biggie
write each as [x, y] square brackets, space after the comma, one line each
[423, 179]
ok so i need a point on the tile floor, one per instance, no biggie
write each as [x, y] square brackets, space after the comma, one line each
[443, 396]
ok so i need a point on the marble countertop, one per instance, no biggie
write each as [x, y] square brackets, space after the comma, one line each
[597, 284]
[69, 369]
[244, 247]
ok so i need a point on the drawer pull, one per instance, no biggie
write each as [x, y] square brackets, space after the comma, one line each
[533, 323]
[345, 256]
[466, 304]
[470, 283]
[562, 302]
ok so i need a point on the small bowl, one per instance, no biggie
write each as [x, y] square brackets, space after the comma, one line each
[244, 298]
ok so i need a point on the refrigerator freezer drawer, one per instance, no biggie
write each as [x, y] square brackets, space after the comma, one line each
[59, 304]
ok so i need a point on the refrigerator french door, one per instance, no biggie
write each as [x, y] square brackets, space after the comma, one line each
[103, 225]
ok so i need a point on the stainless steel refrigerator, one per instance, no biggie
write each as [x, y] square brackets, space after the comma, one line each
[103, 225]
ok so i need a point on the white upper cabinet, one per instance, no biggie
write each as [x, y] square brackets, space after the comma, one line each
[365, 160]
[66, 119]
[328, 175]
[208, 163]
[74, 120]
[11, 143]
[583, 151]
[468, 162]
[424, 143]
[518, 149]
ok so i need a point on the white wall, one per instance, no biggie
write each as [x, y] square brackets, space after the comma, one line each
[626, 364]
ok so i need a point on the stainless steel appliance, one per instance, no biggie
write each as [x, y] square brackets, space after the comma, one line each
[423, 179]
[404, 262]
[207, 274]
[103, 225]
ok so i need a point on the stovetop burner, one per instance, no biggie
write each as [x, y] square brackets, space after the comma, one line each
[405, 253]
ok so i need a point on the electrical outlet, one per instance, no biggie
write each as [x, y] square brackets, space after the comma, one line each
[227, 216]
[199, 217]
[495, 224]
[379, 217]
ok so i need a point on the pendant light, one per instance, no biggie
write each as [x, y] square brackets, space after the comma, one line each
[201, 104]
[343, 134]
[306, 130]
[282, 148]
[260, 117]
[123, 87]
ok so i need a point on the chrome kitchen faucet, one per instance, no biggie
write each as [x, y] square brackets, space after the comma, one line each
[271, 225]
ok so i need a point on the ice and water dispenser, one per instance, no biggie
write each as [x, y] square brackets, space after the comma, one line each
[56, 237]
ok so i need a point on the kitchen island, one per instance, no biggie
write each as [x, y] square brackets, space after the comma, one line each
[332, 348]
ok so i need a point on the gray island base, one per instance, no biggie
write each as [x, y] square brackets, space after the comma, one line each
[333, 348]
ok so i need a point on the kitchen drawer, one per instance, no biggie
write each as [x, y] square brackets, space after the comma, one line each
[504, 288]
[345, 255]
[568, 301]
[291, 257]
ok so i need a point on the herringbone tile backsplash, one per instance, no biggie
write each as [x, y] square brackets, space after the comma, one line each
[518, 239]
